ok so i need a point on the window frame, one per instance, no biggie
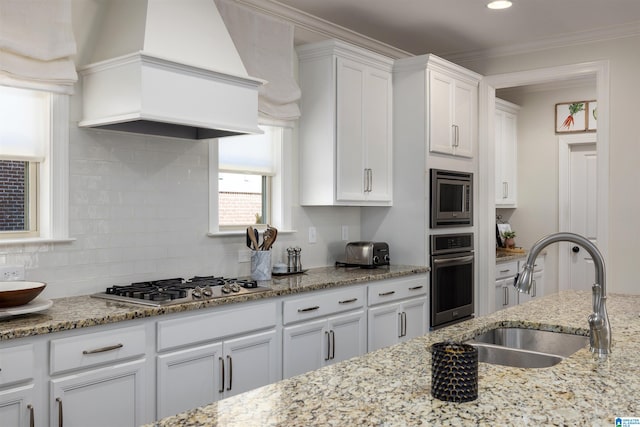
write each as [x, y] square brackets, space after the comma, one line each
[281, 187]
[53, 181]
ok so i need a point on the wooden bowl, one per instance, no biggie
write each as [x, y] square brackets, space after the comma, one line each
[14, 294]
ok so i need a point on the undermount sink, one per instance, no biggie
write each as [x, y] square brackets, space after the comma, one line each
[526, 348]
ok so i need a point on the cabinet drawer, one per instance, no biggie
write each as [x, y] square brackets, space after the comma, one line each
[318, 305]
[16, 364]
[88, 350]
[216, 325]
[506, 269]
[397, 289]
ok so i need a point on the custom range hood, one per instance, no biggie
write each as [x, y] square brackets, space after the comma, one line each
[169, 68]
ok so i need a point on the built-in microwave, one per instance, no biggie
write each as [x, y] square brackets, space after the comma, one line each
[451, 198]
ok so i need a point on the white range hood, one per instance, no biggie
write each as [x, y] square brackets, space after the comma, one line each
[169, 68]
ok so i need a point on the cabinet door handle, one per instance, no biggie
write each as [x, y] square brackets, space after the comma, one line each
[505, 189]
[347, 301]
[103, 349]
[370, 180]
[221, 389]
[533, 293]
[328, 356]
[60, 419]
[384, 294]
[31, 415]
[415, 288]
[333, 345]
[506, 295]
[456, 135]
[230, 372]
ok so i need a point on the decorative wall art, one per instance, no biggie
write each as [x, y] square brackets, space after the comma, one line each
[576, 117]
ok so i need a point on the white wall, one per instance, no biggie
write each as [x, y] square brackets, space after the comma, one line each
[624, 203]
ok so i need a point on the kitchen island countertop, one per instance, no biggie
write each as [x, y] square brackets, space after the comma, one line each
[391, 386]
[84, 311]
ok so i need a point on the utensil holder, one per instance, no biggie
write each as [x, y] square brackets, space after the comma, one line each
[261, 265]
[454, 372]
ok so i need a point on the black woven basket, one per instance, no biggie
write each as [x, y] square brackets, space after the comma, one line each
[454, 372]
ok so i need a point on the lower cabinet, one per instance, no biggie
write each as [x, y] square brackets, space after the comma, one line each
[110, 396]
[207, 357]
[16, 406]
[314, 344]
[397, 312]
[506, 294]
[198, 376]
[393, 323]
[17, 386]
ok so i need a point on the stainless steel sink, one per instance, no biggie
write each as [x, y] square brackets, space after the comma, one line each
[526, 348]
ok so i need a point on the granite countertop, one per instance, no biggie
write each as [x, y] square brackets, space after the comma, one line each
[391, 386]
[84, 311]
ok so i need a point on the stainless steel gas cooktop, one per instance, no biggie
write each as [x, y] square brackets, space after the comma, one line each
[165, 292]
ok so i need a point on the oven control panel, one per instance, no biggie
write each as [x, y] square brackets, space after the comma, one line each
[449, 243]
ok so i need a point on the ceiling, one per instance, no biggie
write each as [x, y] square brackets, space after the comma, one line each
[455, 28]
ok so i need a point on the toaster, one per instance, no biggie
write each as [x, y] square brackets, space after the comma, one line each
[367, 254]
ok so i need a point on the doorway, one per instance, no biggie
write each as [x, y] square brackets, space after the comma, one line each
[486, 253]
[577, 202]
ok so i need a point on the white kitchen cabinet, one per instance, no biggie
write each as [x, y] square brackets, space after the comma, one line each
[506, 294]
[346, 126]
[109, 396]
[102, 385]
[537, 288]
[506, 151]
[397, 311]
[207, 357]
[204, 374]
[17, 385]
[452, 110]
[324, 328]
[314, 344]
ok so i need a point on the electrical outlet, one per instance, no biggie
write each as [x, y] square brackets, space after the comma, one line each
[244, 255]
[312, 234]
[11, 272]
[345, 232]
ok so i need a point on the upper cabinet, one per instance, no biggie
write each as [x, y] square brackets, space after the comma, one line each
[346, 126]
[506, 146]
[453, 111]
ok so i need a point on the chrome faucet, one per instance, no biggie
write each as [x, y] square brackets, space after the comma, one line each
[600, 336]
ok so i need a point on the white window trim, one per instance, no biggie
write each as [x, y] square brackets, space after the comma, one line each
[282, 189]
[53, 188]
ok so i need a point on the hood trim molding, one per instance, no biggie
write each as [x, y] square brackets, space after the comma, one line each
[148, 94]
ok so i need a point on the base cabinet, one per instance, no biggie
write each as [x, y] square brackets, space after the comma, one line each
[506, 294]
[390, 324]
[17, 408]
[204, 374]
[111, 396]
[314, 344]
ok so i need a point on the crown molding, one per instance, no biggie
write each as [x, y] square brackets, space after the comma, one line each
[583, 37]
[323, 28]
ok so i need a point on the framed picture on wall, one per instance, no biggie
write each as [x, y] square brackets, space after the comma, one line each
[592, 116]
[571, 117]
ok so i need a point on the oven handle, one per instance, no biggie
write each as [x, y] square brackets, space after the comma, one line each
[453, 260]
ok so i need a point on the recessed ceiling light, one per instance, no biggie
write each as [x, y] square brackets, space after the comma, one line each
[499, 4]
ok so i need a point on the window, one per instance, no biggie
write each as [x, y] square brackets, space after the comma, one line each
[24, 134]
[34, 197]
[247, 180]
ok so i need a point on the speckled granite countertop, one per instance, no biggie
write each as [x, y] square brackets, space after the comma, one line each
[391, 387]
[84, 311]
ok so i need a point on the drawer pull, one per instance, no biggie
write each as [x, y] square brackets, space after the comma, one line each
[505, 271]
[347, 301]
[303, 310]
[103, 349]
[384, 294]
[415, 288]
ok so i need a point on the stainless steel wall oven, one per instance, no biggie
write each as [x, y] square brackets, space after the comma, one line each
[452, 278]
